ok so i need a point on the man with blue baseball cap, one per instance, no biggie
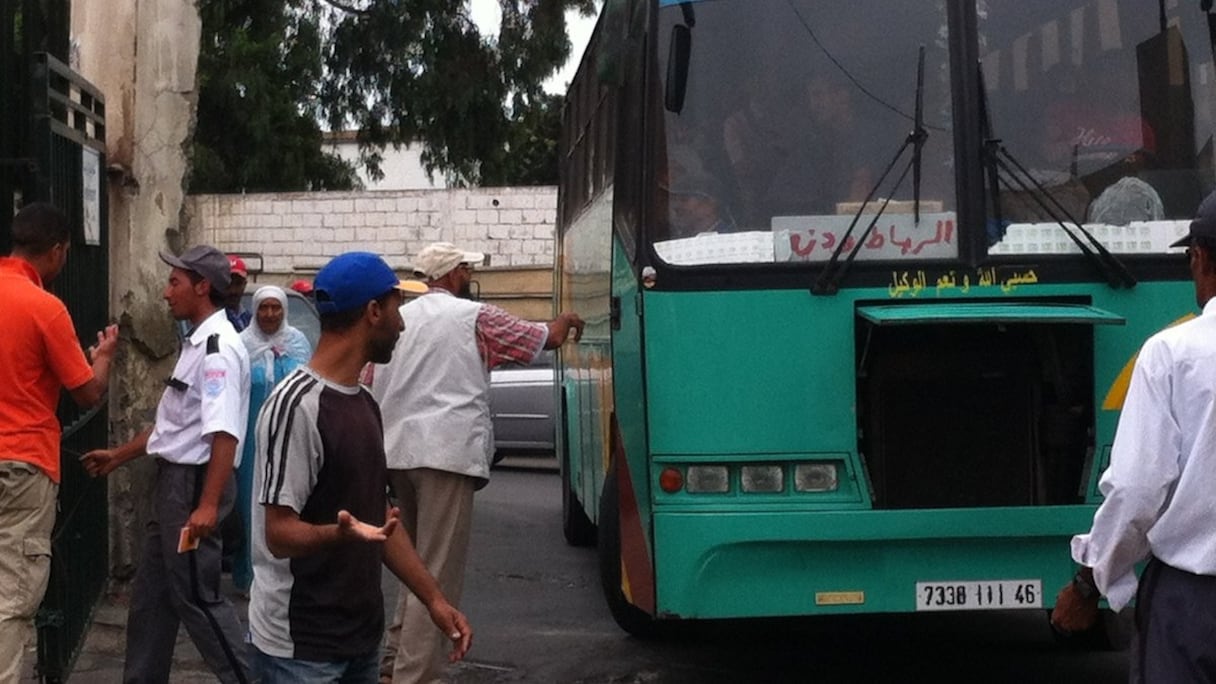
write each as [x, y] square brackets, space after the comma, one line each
[356, 278]
[322, 526]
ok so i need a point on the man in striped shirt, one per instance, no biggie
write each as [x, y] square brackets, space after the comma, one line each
[322, 528]
[437, 431]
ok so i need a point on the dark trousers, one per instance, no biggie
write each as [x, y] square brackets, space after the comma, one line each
[1176, 626]
[174, 588]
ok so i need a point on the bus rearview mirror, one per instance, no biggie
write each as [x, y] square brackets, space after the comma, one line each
[677, 68]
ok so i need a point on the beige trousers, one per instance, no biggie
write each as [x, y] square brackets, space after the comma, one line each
[27, 516]
[437, 511]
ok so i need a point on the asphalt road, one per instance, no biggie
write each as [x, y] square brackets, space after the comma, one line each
[538, 615]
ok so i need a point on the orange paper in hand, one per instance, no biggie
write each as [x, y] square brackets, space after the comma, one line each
[186, 541]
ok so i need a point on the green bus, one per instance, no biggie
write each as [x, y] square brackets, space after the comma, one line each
[864, 282]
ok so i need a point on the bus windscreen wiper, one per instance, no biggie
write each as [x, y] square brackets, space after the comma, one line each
[998, 159]
[834, 270]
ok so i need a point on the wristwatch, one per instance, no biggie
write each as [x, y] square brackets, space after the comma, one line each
[1083, 586]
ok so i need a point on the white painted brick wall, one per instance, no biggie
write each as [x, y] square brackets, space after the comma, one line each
[296, 233]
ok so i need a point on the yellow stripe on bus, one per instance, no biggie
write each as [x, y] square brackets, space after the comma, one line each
[1118, 389]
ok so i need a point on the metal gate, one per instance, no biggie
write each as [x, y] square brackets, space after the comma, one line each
[52, 148]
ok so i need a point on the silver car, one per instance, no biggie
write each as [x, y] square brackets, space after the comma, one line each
[521, 405]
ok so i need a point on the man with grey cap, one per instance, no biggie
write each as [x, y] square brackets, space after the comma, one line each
[695, 207]
[434, 395]
[1157, 504]
[195, 440]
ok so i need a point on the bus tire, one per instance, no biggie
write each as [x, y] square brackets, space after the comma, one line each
[628, 617]
[577, 528]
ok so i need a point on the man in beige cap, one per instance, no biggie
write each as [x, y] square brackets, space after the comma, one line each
[434, 396]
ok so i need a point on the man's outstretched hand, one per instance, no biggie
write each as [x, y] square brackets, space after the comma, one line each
[350, 527]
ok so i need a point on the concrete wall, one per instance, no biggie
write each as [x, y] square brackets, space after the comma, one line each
[297, 233]
[143, 55]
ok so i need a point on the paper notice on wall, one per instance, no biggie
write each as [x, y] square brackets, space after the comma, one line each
[90, 195]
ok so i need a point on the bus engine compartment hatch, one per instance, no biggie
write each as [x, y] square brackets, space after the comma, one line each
[987, 312]
[963, 410]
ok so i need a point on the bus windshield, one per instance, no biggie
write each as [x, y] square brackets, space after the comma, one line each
[1104, 108]
[779, 117]
[791, 112]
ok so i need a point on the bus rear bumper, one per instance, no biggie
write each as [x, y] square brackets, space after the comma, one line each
[781, 563]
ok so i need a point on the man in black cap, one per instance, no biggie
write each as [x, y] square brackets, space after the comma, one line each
[1157, 493]
[200, 422]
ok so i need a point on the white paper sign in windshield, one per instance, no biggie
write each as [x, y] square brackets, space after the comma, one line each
[894, 237]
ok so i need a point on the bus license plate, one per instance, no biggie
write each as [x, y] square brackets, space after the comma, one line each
[979, 595]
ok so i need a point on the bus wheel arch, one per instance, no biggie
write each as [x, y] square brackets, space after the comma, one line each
[577, 527]
[628, 617]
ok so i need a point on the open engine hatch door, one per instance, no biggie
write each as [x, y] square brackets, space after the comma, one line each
[986, 312]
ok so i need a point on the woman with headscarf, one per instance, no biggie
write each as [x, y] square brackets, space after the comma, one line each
[275, 349]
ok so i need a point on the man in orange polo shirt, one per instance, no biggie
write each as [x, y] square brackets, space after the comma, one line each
[39, 354]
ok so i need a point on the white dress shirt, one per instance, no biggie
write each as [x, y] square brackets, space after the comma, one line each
[208, 393]
[1159, 487]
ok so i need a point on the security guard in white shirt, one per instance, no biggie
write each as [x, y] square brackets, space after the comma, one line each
[196, 442]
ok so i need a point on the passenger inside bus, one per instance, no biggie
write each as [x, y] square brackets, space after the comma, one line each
[754, 137]
[821, 167]
[695, 207]
[796, 150]
[1093, 147]
[1100, 134]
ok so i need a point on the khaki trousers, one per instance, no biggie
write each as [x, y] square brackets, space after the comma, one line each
[437, 511]
[27, 516]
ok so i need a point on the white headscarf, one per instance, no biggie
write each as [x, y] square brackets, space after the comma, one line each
[286, 340]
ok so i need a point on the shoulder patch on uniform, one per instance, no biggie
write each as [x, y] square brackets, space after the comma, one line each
[214, 380]
[213, 343]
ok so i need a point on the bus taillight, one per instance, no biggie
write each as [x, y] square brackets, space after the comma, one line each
[670, 480]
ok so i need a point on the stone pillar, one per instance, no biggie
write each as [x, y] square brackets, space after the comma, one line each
[143, 55]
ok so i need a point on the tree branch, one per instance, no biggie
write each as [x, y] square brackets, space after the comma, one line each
[346, 8]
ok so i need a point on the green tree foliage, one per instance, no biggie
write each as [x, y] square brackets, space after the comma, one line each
[398, 71]
[530, 154]
[258, 130]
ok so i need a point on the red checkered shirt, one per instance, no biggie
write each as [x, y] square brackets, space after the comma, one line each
[503, 338]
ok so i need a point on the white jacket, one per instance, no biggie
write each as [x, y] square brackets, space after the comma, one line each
[434, 393]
